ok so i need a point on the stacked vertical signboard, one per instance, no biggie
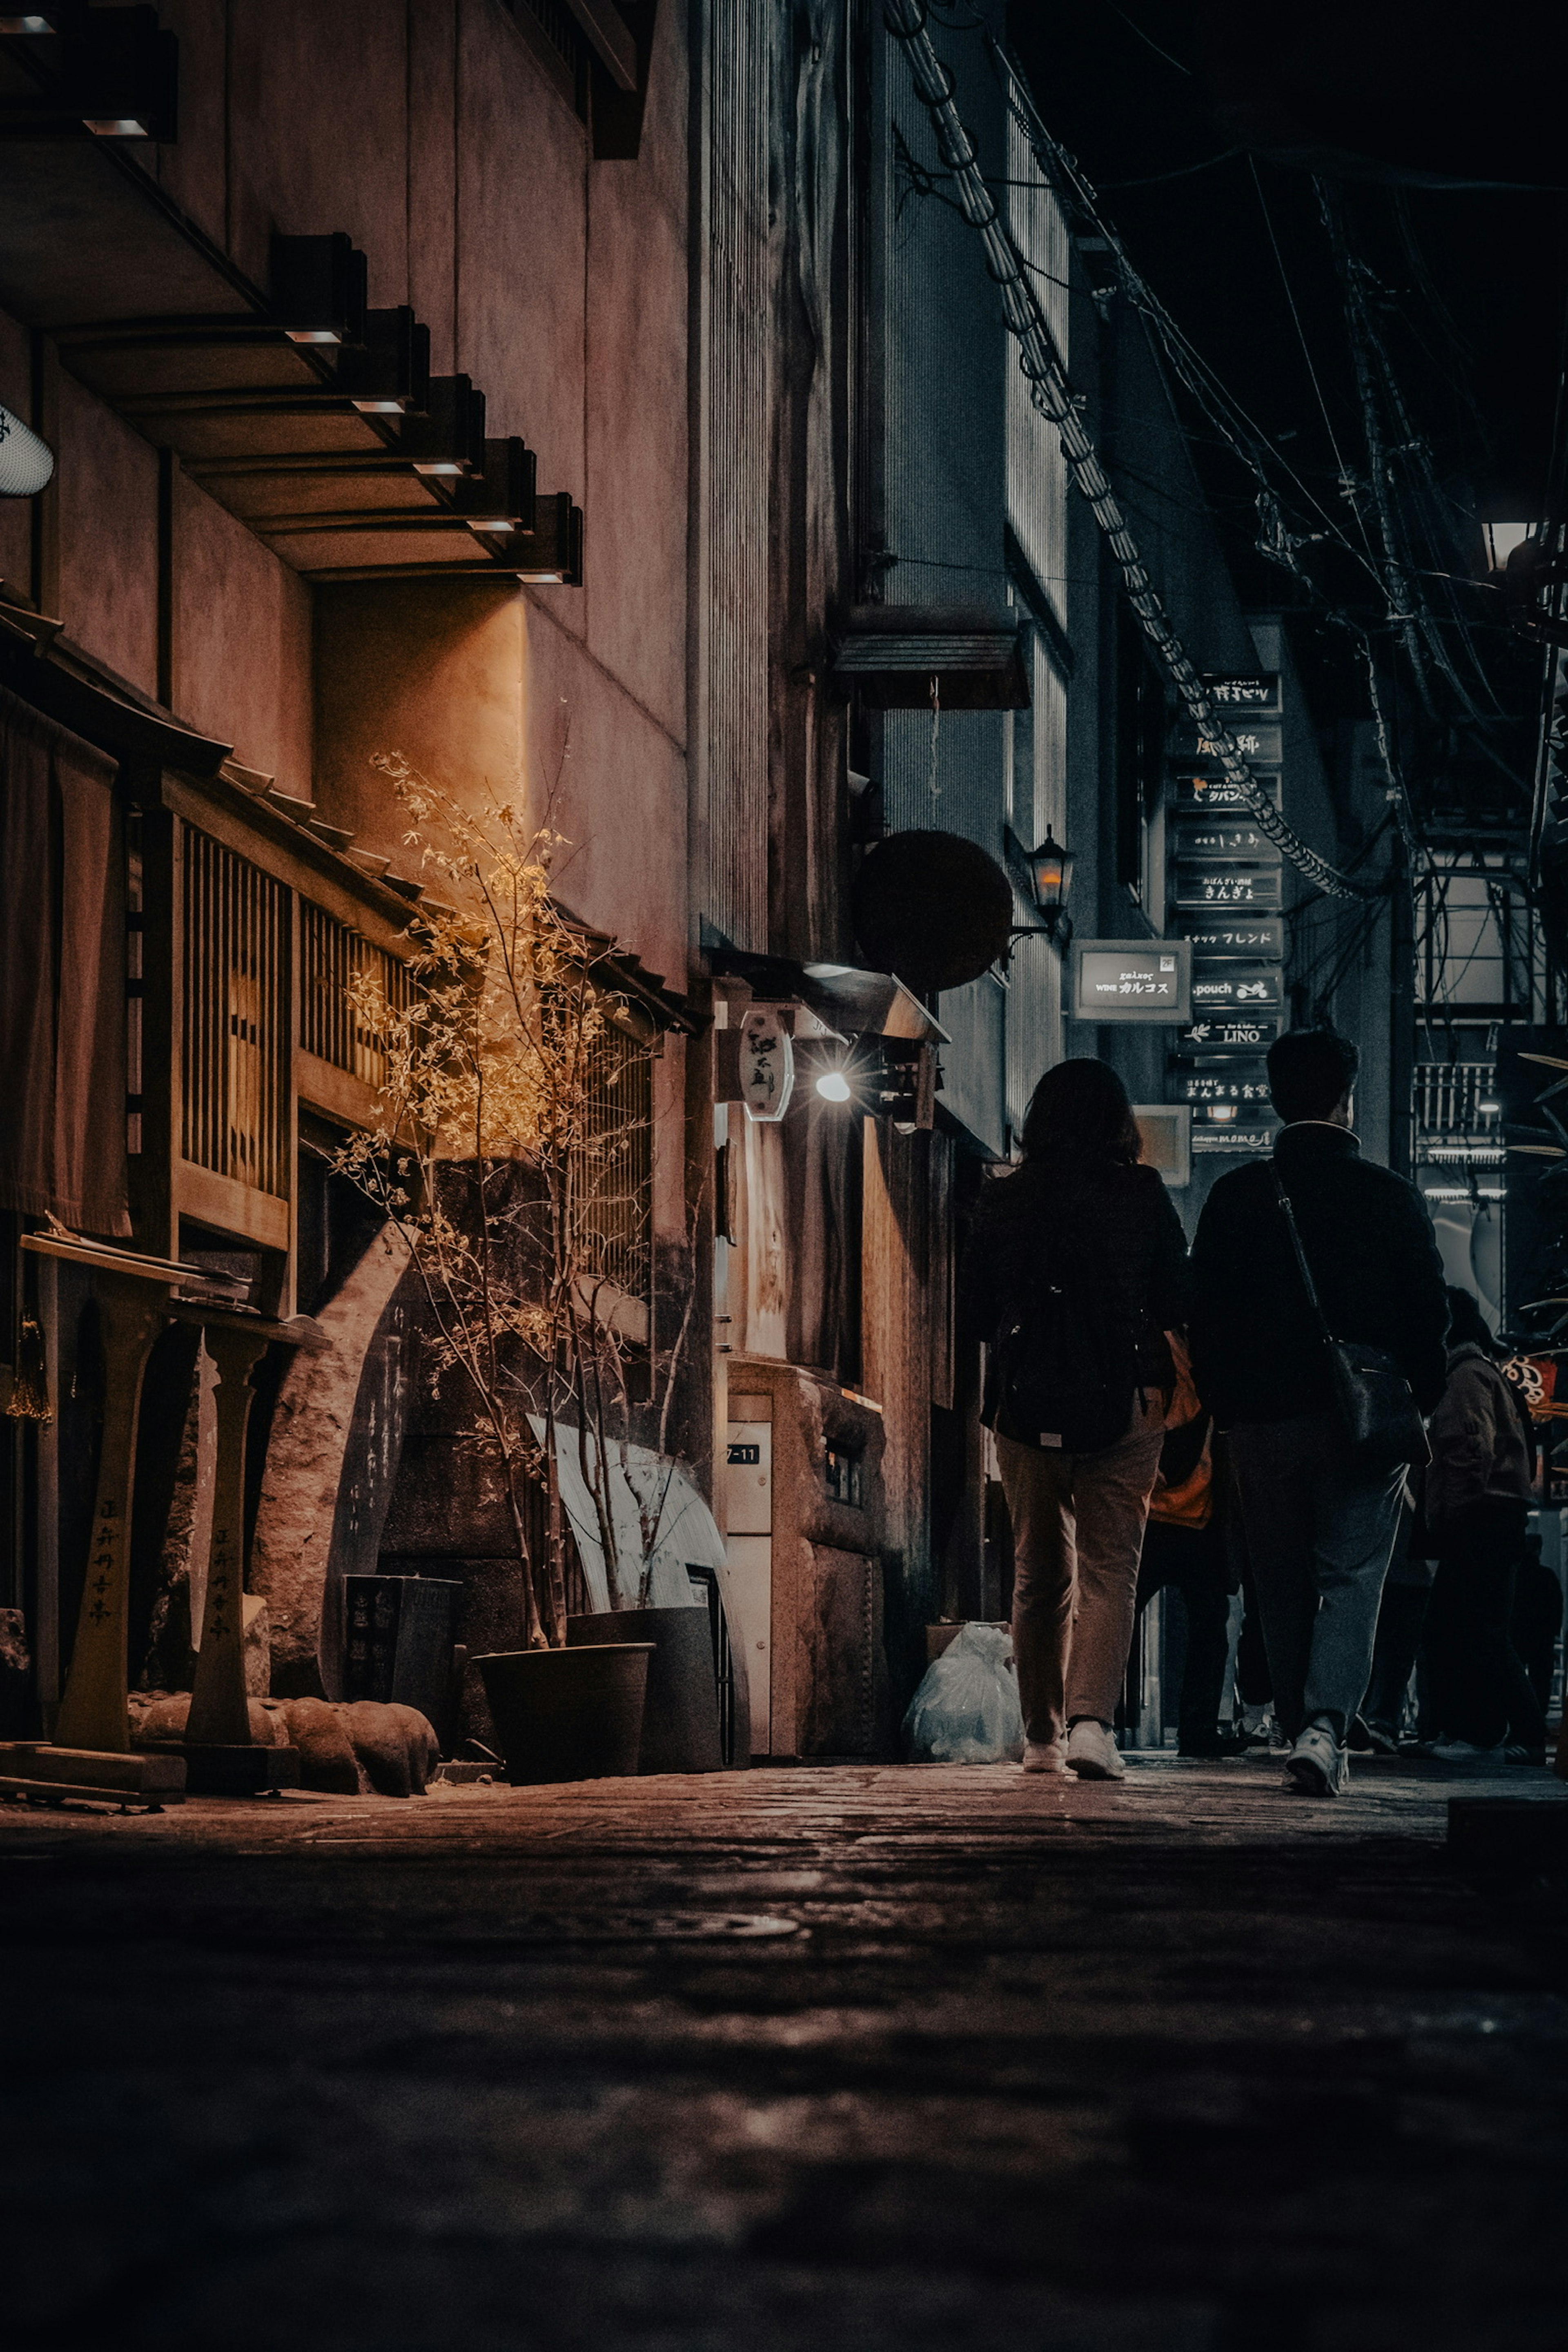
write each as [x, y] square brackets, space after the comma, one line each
[1228, 898]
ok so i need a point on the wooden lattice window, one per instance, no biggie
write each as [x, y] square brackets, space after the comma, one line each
[234, 1025]
[612, 1167]
[332, 958]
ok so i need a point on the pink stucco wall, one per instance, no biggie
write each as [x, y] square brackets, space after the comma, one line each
[431, 134]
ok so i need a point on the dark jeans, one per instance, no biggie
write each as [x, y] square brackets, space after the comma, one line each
[1253, 1687]
[1536, 1623]
[1480, 1690]
[1399, 1621]
[1319, 1533]
[1191, 1560]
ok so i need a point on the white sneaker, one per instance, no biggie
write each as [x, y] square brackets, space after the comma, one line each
[1092, 1753]
[1045, 1756]
[1464, 1752]
[1317, 1765]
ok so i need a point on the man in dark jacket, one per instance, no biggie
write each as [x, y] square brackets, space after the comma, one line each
[1320, 1531]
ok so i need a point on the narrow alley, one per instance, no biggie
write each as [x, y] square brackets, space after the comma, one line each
[840, 2056]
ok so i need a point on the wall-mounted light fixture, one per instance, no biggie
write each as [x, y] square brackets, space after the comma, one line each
[26, 463]
[1049, 872]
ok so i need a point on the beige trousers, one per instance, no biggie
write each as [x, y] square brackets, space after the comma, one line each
[1077, 1536]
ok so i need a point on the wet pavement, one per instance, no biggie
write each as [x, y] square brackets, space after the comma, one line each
[845, 2057]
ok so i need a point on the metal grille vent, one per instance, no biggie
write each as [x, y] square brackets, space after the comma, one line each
[612, 1170]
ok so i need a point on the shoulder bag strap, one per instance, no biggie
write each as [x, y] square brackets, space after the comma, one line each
[1307, 1282]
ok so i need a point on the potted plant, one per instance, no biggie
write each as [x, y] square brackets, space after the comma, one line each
[515, 1117]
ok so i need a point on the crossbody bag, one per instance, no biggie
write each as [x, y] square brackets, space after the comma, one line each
[1371, 1396]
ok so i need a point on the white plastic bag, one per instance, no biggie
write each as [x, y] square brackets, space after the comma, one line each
[966, 1709]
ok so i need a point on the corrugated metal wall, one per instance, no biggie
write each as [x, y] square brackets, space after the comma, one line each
[734, 472]
[1037, 471]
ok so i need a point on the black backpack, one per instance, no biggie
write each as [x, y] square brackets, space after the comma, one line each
[1064, 1362]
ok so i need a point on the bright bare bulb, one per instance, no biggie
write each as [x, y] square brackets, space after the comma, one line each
[833, 1087]
[26, 462]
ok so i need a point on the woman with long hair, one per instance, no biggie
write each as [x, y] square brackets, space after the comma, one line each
[1072, 1277]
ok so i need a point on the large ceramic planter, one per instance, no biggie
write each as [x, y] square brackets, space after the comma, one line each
[680, 1721]
[568, 1715]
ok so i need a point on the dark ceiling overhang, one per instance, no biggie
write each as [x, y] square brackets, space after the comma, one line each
[313, 418]
[891, 654]
[848, 998]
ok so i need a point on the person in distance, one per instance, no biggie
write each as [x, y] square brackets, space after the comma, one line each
[1320, 1528]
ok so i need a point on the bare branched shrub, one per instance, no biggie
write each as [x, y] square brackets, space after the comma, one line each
[516, 1101]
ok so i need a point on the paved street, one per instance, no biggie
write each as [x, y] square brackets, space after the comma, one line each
[841, 2057]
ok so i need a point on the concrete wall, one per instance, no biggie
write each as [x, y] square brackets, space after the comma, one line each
[434, 136]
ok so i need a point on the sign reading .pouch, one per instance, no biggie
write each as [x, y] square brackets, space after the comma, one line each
[767, 1064]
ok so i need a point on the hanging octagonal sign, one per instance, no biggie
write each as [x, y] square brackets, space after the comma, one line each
[767, 1064]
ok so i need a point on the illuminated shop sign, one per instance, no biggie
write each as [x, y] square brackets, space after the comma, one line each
[1220, 1040]
[1213, 788]
[1253, 941]
[1232, 693]
[1232, 1138]
[1200, 839]
[1237, 988]
[1212, 886]
[1132, 980]
[1260, 746]
[1227, 1090]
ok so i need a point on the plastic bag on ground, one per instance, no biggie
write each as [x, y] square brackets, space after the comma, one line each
[966, 1709]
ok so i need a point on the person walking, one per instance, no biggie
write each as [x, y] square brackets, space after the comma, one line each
[1072, 1276]
[1477, 1508]
[1401, 1621]
[1184, 1550]
[1320, 1525]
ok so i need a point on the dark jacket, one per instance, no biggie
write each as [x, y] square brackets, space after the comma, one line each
[1128, 1220]
[1256, 1351]
[1478, 1450]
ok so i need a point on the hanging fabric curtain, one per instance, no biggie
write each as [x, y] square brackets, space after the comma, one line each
[62, 977]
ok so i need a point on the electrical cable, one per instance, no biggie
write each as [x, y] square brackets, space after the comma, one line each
[1347, 479]
[1051, 394]
[1182, 170]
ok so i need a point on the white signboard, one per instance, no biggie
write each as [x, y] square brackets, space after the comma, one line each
[767, 1064]
[1132, 980]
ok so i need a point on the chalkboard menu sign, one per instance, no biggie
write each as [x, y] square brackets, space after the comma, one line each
[1222, 938]
[1229, 886]
[1237, 988]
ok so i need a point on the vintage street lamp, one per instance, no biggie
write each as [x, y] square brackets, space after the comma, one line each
[1050, 878]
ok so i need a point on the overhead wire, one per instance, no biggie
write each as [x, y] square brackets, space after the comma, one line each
[1052, 395]
[1056, 165]
[1347, 479]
